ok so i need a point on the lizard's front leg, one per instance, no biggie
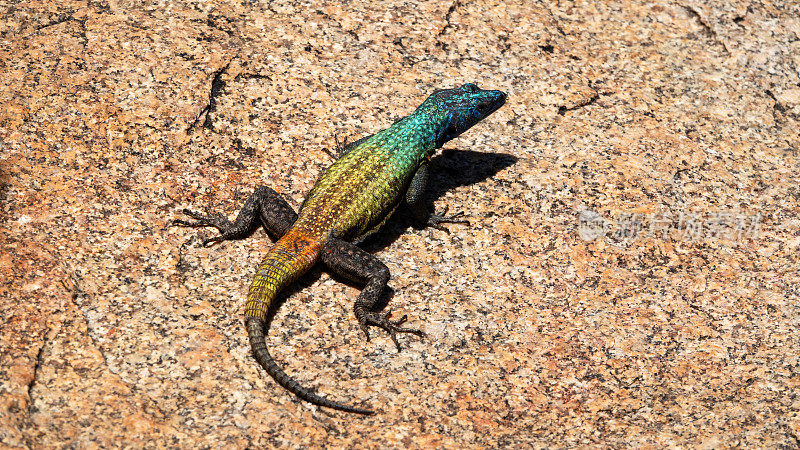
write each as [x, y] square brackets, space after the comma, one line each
[344, 148]
[353, 263]
[415, 198]
[264, 207]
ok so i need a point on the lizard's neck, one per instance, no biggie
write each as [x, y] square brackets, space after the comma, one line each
[417, 133]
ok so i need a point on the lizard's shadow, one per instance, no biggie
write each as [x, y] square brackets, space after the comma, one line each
[450, 169]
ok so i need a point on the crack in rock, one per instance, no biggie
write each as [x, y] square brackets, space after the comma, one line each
[32, 384]
[585, 102]
[710, 32]
[217, 84]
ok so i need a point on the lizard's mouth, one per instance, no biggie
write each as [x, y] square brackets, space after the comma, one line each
[494, 100]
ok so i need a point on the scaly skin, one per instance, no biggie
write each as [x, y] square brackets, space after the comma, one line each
[351, 198]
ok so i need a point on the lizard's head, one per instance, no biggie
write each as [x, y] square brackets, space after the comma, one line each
[461, 108]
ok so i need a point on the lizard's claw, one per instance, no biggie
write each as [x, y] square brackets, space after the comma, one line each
[436, 220]
[340, 145]
[211, 241]
[392, 326]
[217, 221]
[339, 148]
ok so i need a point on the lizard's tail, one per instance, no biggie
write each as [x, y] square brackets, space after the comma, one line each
[291, 257]
[255, 329]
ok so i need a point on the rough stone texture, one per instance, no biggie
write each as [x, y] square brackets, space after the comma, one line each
[116, 115]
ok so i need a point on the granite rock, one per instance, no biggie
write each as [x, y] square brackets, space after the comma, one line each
[630, 277]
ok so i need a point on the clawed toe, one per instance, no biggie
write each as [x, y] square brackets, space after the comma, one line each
[201, 220]
[211, 241]
[217, 221]
[436, 220]
[392, 327]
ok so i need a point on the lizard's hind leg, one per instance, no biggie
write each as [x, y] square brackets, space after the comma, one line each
[356, 264]
[264, 207]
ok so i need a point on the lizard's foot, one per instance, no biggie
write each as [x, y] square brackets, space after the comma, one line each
[340, 145]
[376, 319]
[217, 221]
[436, 220]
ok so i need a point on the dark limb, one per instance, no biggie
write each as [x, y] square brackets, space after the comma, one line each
[360, 266]
[344, 148]
[415, 200]
[265, 207]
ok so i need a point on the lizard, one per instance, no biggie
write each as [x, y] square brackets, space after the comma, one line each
[351, 199]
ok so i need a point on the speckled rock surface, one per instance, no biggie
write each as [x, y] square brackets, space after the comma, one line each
[630, 278]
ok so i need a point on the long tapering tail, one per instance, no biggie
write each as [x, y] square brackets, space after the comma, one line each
[291, 256]
[255, 329]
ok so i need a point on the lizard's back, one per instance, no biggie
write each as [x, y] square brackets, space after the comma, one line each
[360, 190]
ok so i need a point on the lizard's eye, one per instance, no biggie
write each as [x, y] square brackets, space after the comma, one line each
[470, 87]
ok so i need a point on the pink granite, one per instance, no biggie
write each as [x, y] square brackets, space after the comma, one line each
[630, 278]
